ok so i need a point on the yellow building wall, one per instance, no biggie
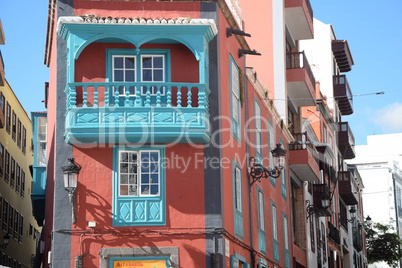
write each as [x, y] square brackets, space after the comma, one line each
[22, 246]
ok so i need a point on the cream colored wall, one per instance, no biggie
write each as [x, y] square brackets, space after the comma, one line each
[21, 252]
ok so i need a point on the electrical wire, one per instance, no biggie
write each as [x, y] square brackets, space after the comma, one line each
[355, 95]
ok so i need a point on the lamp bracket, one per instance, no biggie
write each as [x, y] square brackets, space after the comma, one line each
[258, 171]
[310, 209]
[231, 31]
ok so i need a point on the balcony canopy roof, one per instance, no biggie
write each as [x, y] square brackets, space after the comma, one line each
[83, 30]
[342, 54]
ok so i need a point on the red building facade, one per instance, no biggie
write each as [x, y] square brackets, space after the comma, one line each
[156, 105]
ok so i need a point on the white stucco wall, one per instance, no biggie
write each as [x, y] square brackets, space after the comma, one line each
[319, 54]
[279, 58]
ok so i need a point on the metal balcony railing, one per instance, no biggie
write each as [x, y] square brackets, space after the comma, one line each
[298, 60]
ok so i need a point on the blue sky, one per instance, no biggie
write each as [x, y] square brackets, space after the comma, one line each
[374, 33]
[373, 30]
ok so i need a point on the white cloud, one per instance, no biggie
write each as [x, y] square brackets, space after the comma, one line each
[389, 118]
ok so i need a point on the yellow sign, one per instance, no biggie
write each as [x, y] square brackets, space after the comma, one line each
[140, 263]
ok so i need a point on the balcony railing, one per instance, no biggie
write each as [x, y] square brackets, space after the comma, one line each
[334, 233]
[329, 171]
[343, 94]
[357, 238]
[300, 79]
[137, 112]
[38, 195]
[347, 188]
[304, 158]
[318, 191]
[297, 60]
[346, 141]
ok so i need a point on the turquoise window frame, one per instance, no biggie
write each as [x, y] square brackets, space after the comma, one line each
[271, 141]
[285, 226]
[283, 178]
[258, 134]
[275, 223]
[238, 214]
[139, 209]
[235, 126]
[261, 232]
[262, 263]
[236, 258]
[113, 259]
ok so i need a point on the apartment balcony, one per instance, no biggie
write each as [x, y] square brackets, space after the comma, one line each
[357, 238]
[137, 112]
[318, 191]
[343, 94]
[304, 158]
[334, 233]
[346, 141]
[328, 170]
[300, 80]
[347, 188]
[342, 54]
[299, 19]
[38, 195]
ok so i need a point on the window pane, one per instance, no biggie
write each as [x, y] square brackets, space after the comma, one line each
[118, 62]
[158, 75]
[154, 167]
[124, 179]
[154, 178]
[154, 157]
[146, 62]
[274, 223]
[123, 168]
[118, 76]
[154, 189]
[158, 62]
[261, 208]
[129, 61]
[132, 179]
[123, 189]
[145, 179]
[144, 189]
[132, 190]
[130, 76]
[123, 157]
[238, 189]
[146, 75]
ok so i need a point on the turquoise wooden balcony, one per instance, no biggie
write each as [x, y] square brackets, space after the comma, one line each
[137, 112]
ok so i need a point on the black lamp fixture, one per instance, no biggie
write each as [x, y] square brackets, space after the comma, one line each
[70, 177]
[352, 212]
[6, 240]
[325, 204]
[258, 171]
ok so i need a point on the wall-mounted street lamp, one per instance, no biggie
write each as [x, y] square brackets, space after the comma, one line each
[258, 171]
[352, 212]
[325, 204]
[70, 177]
[6, 240]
